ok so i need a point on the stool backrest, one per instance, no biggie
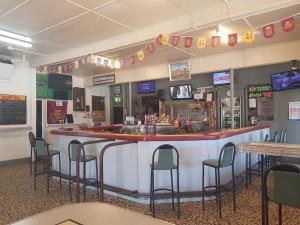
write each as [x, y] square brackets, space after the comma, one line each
[275, 139]
[266, 138]
[283, 138]
[286, 185]
[41, 147]
[31, 139]
[165, 159]
[73, 147]
[227, 155]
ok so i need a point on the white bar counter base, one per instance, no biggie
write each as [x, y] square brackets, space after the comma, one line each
[91, 214]
[128, 167]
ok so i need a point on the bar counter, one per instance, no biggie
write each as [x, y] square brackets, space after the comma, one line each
[127, 167]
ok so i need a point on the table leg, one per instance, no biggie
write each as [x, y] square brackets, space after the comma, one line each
[263, 202]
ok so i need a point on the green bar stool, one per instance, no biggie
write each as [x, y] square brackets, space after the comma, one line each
[43, 154]
[284, 190]
[165, 161]
[226, 158]
[73, 147]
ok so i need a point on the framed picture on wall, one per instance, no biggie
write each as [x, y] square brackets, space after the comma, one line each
[98, 108]
[78, 99]
[179, 71]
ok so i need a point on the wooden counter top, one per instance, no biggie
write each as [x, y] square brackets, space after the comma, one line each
[208, 135]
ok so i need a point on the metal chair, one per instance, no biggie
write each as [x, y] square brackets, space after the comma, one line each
[285, 188]
[31, 137]
[73, 148]
[42, 154]
[165, 161]
[226, 158]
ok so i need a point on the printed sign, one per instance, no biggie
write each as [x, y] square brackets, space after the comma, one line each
[107, 79]
[56, 112]
[294, 110]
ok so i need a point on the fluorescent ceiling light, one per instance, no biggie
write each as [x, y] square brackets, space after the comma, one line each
[15, 36]
[15, 42]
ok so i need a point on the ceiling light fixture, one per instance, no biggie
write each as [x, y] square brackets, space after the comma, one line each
[15, 39]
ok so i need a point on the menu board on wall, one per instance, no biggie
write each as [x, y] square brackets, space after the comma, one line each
[12, 109]
[56, 112]
[98, 108]
[294, 110]
[265, 108]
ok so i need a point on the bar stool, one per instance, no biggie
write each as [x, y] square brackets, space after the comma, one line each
[226, 158]
[42, 154]
[165, 162]
[73, 147]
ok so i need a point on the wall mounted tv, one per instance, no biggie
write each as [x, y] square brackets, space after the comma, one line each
[286, 80]
[181, 92]
[146, 87]
[59, 81]
[221, 78]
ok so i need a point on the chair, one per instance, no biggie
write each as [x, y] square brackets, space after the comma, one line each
[285, 188]
[42, 154]
[73, 148]
[226, 158]
[165, 161]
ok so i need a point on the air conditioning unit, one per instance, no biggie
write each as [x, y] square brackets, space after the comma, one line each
[6, 71]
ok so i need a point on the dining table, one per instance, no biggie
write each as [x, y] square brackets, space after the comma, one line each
[92, 213]
[264, 149]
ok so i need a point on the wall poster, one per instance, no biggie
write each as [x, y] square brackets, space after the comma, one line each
[78, 99]
[56, 111]
[294, 110]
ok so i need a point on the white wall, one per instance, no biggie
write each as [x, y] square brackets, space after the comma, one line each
[14, 142]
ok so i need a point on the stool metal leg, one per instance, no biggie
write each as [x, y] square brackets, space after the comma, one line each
[150, 205]
[153, 195]
[172, 188]
[178, 194]
[34, 174]
[203, 191]
[31, 161]
[70, 180]
[233, 188]
[219, 193]
[250, 169]
[280, 214]
[216, 182]
[247, 156]
[97, 179]
[59, 170]
[48, 174]
[84, 181]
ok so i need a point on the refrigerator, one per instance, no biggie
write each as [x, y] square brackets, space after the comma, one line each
[226, 113]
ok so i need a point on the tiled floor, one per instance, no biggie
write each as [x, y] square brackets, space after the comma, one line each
[18, 200]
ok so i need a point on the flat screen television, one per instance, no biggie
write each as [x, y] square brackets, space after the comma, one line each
[221, 78]
[59, 81]
[181, 92]
[146, 87]
[286, 80]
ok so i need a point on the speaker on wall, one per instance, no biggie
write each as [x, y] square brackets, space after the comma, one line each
[161, 95]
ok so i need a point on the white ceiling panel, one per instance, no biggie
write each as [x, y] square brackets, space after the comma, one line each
[90, 4]
[138, 14]
[84, 30]
[6, 5]
[37, 15]
[194, 5]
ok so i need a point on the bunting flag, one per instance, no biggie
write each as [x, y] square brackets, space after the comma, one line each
[201, 43]
[288, 24]
[150, 48]
[188, 42]
[165, 39]
[159, 39]
[76, 64]
[175, 41]
[232, 39]
[59, 69]
[141, 55]
[131, 59]
[268, 30]
[249, 35]
[215, 41]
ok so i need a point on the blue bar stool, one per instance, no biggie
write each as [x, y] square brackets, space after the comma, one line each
[226, 158]
[165, 162]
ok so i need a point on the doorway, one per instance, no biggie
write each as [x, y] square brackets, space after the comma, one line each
[39, 118]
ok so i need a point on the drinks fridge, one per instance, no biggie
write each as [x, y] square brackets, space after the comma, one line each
[226, 113]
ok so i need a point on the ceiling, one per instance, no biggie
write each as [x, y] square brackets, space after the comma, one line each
[58, 26]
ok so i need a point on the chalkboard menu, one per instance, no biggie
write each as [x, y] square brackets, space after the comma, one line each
[12, 109]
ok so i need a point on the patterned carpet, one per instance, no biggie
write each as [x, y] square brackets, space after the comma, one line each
[18, 200]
